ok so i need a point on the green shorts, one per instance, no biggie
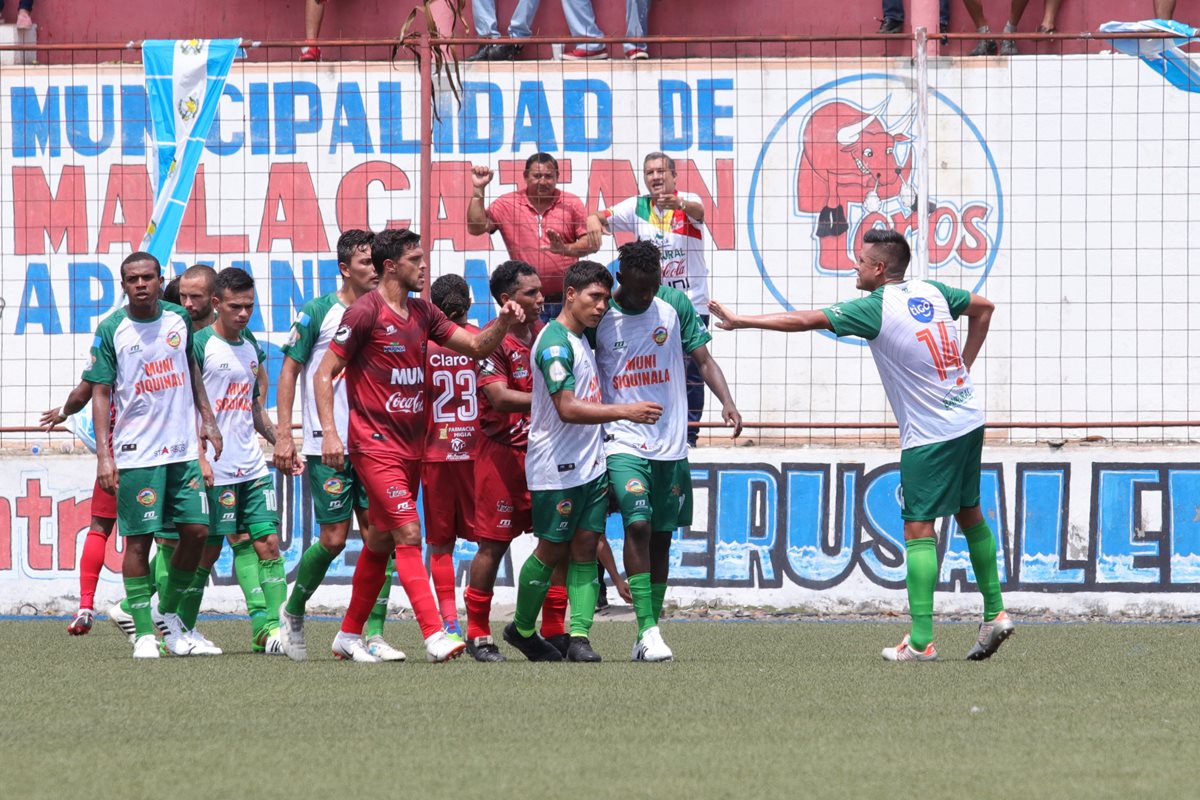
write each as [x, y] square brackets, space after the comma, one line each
[558, 513]
[940, 479]
[147, 497]
[335, 492]
[658, 492]
[250, 506]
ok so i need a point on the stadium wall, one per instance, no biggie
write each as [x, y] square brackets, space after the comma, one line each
[1081, 530]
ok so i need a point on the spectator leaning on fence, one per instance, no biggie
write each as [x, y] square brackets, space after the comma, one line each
[541, 224]
[519, 27]
[581, 19]
[1008, 47]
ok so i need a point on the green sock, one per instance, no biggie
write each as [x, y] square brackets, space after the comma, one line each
[982, 545]
[532, 586]
[313, 566]
[178, 581]
[274, 588]
[138, 592]
[658, 591]
[922, 576]
[379, 610]
[159, 566]
[582, 590]
[245, 569]
[189, 606]
[643, 601]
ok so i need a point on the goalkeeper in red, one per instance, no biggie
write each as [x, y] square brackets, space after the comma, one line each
[910, 327]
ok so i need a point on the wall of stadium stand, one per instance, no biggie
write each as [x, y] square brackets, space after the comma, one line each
[1062, 203]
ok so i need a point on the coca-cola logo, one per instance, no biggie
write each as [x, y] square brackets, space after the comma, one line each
[398, 403]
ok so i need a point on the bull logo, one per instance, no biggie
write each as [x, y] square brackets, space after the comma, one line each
[851, 155]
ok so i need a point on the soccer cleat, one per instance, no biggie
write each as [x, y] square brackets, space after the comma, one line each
[454, 631]
[905, 652]
[82, 624]
[348, 647]
[440, 648]
[310, 53]
[651, 647]
[176, 639]
[291, 635]
[377, 647]
[146, 646]
[991, 635]
[581, 650]
[561, 643]
[156, 617]
[534, 647]
[201, 646]
[124, 621]
[583, 54]
[273, 644]
[483, 648]
[637, 54]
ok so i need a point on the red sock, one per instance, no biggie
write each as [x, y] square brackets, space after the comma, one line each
[441, 567]
[554, 612]
[369, 575]
[479, 613]
[415, 581]
[90, 564]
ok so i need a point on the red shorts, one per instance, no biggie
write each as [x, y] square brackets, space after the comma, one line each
[503, 510]
[448, 493]
[391, 486]
[104, 505]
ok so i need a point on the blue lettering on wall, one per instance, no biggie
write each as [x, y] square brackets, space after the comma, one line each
[37, 301]
[86, 306]
[1040, 538]
[533, 122]
[471, 138]
[675, 115]
[135, 120]
[576, 114]
[287, 125]
[36, 125]
[708, 112]
[217, 144]
[350, 120]
[391, 120]
[79, 120]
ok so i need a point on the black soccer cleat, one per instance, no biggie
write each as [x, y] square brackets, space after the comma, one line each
[581, 650]
[483, 648]
[534, 647]
[561, 642]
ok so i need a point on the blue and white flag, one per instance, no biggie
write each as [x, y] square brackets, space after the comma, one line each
[1164, 56]
[184, 80]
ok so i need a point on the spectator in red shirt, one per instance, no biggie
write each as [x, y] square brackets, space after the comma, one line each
[541, 225]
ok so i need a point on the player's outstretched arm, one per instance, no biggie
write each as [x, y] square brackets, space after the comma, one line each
[481, 344]
[714, 378]
[79, 397]
[333, 454]
[209, 432]
[285, 399]
[580, 412]
[979, 319]
[786, 321]
[106, 467]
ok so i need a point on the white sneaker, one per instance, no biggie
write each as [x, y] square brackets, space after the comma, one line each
[349, 647]
[156, 617]
[291, 635]
[377, 647]
[201, 646]
[176, 639]
[273, 645]
[653, 647]
[146, 647]
[440, 648]
[123, 621]
[906, 652]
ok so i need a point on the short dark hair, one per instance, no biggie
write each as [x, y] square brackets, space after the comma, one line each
[540, 158]
[202, 271]
[583, 274]
[641, 258]
[233, 279]
[390, 244]
[171, 292]
[451, 294]
[655, 156]
[351, 241]
[893, 250]
[504, 278]
[140, 255]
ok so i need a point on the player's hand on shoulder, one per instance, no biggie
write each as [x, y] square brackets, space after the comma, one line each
[645, 412]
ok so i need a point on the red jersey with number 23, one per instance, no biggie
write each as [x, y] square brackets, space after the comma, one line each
[385, 373]
[453, 407]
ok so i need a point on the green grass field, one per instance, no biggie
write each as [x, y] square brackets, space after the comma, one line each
[749, 710]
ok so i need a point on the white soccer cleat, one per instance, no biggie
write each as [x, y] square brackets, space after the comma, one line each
[652, 647]
[177, 640]
[906, 652]
[291, 635]
[349, 647]
[124, 622]
[440, 648]
[146, 647]
[273, 644]
[157, 618]
[201, 646]
[377, 647]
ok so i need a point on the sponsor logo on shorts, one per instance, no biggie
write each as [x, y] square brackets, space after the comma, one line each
[564, 507]
[230, 516]
[634, 486]
[147, 497]
[395, 491]
[334, 505]
[406, 505]
[504, 523]
[660, 335]
[333, 486]
[173, 339]
[921, 309]
[504, 507]
[227, 498]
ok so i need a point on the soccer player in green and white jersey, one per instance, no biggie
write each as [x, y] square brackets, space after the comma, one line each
[142, 366]
[910, 327]
[565, 465]
[640, 348]
[337, 494]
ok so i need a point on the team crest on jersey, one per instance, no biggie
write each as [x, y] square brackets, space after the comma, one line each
[660, 335]
[227, 498]
[147, 497]
[333, 486]
[253, 367]
[173, 339]
[564, 507]
[634, 486]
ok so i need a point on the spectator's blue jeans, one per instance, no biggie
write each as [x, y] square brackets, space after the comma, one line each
[894, 9]
[519, 27]
[581, 19]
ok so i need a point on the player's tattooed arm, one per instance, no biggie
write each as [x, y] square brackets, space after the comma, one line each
[106, 467]
[786, 321]
[209, 432]
[480, 345]
[333, 453]
[711, 372]
[285, 399]
[262, 420]
[79, 397]
[979, 319]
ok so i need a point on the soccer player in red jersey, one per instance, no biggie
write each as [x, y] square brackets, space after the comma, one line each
[448, 472]
[382, 346]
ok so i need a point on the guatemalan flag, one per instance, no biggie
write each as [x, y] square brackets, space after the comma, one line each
[1164, 56]
[184, 81]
